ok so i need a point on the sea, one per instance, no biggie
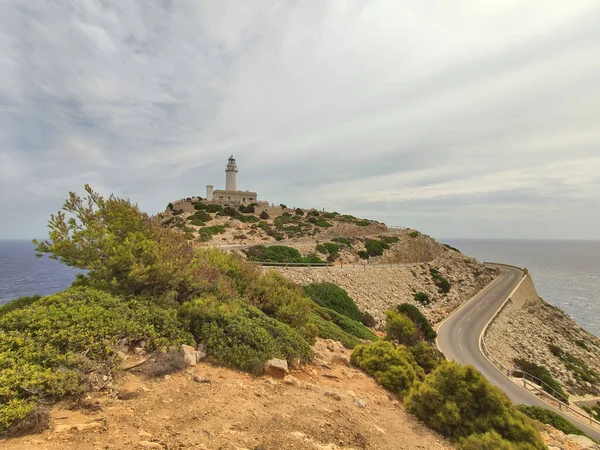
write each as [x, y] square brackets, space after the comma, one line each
[566, 273]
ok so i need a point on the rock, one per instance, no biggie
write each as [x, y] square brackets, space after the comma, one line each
[139, 351]
[277, 368]
[320, 363]
[333, 395]
[295, 363]
[342, 360]
[270, 382]
[198, 379]
[360, 403]
[150, 444]
[189, 355]
[100, 423]
[289, 379]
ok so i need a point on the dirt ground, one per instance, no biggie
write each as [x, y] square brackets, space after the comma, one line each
[208, 407]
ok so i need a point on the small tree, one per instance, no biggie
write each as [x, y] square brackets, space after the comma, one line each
[400, 328]
[264, 215]
[299, 212]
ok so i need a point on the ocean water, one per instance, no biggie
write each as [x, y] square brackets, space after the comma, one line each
[566, 273]
[22, 273]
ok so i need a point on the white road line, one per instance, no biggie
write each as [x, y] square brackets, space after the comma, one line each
[461, 347]
[468, 318]
[459, 330]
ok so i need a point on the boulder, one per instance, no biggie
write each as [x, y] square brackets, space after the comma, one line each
[276, 368]
[189, 355]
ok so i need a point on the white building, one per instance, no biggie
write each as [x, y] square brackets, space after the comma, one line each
[231, 195]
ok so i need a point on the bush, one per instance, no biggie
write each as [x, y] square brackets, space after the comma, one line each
[368, 320]
[390, 239]
[576, 365]
[427, 356]
[166, 363]
[240, 336]
[330, 215]
[197, 222]
[331, 296]
[18, 303]
[19, 417]
[422, 298]
[392, 367]
[362, 223]
[439, 280]
[550, 384]
[451, 248]
[264, 215]
[363, 255]
[347, 324]
[550, 418]
[413, 234]
[201, 215]
[214, 208]
[313, 213]
[457, 401]
[279, 254]
[399, 328]
[419, 320]
[48, 347]
[299, 212]
[375, 247]
[323, 223]
[199, 206]
[329, 330]
[343, 241]
[487, 441]
[247, 209]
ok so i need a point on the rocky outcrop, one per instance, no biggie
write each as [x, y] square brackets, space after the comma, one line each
[531, 329]
[378, 289]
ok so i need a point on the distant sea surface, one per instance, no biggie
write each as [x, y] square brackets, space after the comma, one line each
[566, 273]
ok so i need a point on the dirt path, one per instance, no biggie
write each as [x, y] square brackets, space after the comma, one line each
[318, 408]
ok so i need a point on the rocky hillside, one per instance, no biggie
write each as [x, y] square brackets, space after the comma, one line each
[331, 407]
[533, 330]
[428, 263]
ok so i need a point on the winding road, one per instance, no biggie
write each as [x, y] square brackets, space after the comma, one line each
[459, 335]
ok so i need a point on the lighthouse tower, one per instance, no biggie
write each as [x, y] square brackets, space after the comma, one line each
[231, 173]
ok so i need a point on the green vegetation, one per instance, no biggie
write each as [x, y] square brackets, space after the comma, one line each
[279, 254]
[576, 365]
[451, 248]
[486, 441]
[198, 206]
[439, 280]
[550, 418]
[299, 212]
[240, 336]
[399, 328]
[375, 247]
[343, 241]
[206, 233]
[422, 298]
[593, 410]
[313, 213]
[49, 346]
[346, 324]
[330, 215]
[458, 402]
[426, 356]
[328, 248]
[323, 223]
[197, 222]
[413, 234]
[390, 239]
[362, 223]
[550, 385]
[363, 255]
[329, 330]
[18, 303]
[393, 367]
[421, 322]
[331, 296]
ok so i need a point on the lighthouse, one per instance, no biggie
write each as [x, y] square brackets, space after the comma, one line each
[231, 172]
[231, 195]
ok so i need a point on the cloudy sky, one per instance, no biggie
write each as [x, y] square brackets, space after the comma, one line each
[458, 118]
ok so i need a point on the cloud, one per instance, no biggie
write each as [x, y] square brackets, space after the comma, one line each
[461, 119]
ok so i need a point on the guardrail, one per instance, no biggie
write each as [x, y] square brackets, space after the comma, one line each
[535, 382]
[332, 265]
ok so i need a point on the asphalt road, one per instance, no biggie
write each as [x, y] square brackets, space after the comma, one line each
[458, 339]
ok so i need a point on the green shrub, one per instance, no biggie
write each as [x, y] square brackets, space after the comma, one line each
[368, 320]
[347, 324]
[199, 206]
[390, 239]
[422, 298]
[363, 255]
[177, 212]
[240, 336]
[323, 223]
[49, 346]
[457, 401]
[197, 222]
[399, 328]
[313, 213]
[320, 248]
[201, 215]
[413, 234]
[576, 365]
[170, 206]
[392, 367]
[299, 212]
[375, 247]
[343, 241]
[264, 215]
[326, 329]
[550, 418]
[426, 355]
[330, 215]
[451, 248]
[18, 303]
[439, 280]
[247, 209]
[419, 320]
[550, 384]
[331, 296]
[279, 254]
[214, 208]
[362, 223]
[487, 441]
